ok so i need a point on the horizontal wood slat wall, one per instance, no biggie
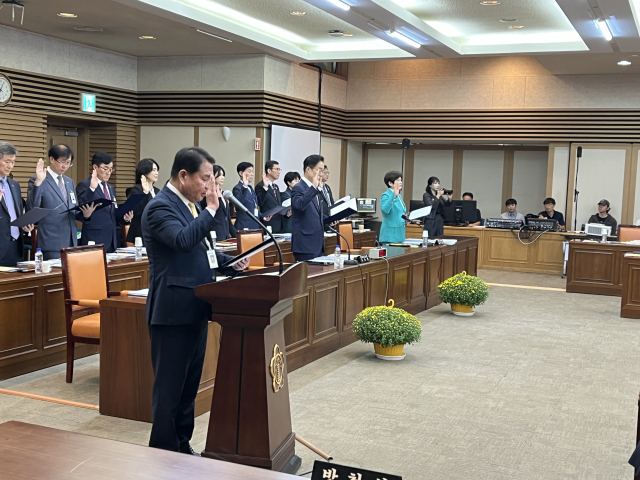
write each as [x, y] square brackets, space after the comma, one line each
[28, 133]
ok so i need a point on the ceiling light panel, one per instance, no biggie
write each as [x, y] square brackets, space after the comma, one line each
[68, 15]
[475, 27]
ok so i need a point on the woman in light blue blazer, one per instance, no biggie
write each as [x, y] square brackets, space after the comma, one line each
[392, 207]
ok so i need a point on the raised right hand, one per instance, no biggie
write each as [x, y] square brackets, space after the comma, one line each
[94, 179]
[245, 178]
[213, 192]
[41, 173]
[146, 188]
[265, 180]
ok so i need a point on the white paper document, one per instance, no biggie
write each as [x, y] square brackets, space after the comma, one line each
[348, 204]
[286, 203]
[421, 212]
[139, 293]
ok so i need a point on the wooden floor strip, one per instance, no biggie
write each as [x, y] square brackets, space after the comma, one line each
[49, 399]
[527, 286]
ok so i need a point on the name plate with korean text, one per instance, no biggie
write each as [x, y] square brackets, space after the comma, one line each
[333, 471]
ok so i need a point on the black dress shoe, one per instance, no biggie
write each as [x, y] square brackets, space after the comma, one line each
[186, 448]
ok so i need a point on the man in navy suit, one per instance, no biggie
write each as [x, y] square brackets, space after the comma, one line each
[174, 232]
[50, 188]
[10, 209]
[103, 227]
[269, 194]
[307, 238]
[244, 192]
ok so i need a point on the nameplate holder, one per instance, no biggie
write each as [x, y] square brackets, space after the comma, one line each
[333, 471]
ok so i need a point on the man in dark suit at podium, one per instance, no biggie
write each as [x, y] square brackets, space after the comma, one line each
[307, 237]
[174, 232]
[269, 194]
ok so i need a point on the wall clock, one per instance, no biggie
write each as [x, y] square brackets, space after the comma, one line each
[6, 90]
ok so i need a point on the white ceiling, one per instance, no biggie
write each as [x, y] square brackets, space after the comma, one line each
[442, 28]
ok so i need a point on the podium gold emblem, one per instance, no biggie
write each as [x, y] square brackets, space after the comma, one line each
[277, 368]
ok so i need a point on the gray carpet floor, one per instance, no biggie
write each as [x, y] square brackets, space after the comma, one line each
[538, 384]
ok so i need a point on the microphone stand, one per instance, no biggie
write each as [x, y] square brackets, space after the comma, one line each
[348, 261]
[237, 203]
[576, 193]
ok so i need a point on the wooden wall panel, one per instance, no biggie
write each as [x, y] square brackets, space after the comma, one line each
[28, 133]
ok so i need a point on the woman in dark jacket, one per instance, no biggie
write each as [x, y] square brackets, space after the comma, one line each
[291, 178]
[224, 228]
[146, 175]
[434, 197]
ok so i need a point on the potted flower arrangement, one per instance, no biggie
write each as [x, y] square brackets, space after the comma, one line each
[463, 292]
[389, 329]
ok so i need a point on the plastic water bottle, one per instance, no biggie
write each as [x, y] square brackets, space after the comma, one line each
[336, 257]
[213, 239]
[425, 238]
[38, 257]
[138, 244]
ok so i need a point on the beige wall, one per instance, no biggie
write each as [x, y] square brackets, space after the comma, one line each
[482, 83]
[330, 149]
[560, 175]
[162, 144]
[239, 148]
[530, 180]
[354, 168]
[22, 50]
[482, 176]
[380, 162]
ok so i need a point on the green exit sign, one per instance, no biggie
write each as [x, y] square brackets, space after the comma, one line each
[88, 102]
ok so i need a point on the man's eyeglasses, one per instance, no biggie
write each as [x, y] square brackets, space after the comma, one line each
[66, 164]
[107, 169]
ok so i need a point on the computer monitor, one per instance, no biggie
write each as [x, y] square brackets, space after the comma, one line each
[460, 211]
[366, 205]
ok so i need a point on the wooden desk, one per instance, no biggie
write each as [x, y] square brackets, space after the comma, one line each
[630, 305]
[33, 332]
[319, 324]
[501, 250]
[126, 374]
[34, 452]
[596, 268]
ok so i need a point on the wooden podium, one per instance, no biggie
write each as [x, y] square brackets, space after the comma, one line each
[250, 420]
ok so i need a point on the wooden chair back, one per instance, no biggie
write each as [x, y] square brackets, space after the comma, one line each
[627, 233]
[247, 239]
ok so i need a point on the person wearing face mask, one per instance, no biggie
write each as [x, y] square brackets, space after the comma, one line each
[103, 228]
[393, 208]
[225, 228]
[290, 179]
[603, 217]
[147, 172]
[435, 197]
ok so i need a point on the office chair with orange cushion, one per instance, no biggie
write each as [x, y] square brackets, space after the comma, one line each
[626, 233]
[85, 282]
[247, 239]
[346, 229]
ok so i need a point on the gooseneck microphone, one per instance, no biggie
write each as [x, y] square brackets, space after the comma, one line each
[228, 195]
[348, 261]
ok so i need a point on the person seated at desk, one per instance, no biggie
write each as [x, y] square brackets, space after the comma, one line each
[393, 209]
[550, 213]
[603, 217]
[478, 222]
[511, 213]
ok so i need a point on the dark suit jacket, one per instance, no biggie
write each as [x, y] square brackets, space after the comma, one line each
[135, 229]
[325, 205]
[286, 221]
[268, 200]
[307, 235]
[177, 261]
[58, 229]
[250, 200]
[103, 227]
[6, 249]
[224, 228]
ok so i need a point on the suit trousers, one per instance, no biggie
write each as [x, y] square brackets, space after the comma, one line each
[303, 257]
[177, 355]
[13, 254]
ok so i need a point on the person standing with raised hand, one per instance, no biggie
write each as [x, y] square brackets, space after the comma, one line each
[244, 192]
[50, 188]
[393, 208]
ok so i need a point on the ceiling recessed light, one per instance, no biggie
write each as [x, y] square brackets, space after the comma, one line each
[298, 13]
[348, 35]
[604, 28]
[68, 15]
[147, 37]
[407, 40]
[336, 33]
[215, 36]
[88, 29]
[508, 20]
[624, 63]
[515, 27]
[489, 3]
